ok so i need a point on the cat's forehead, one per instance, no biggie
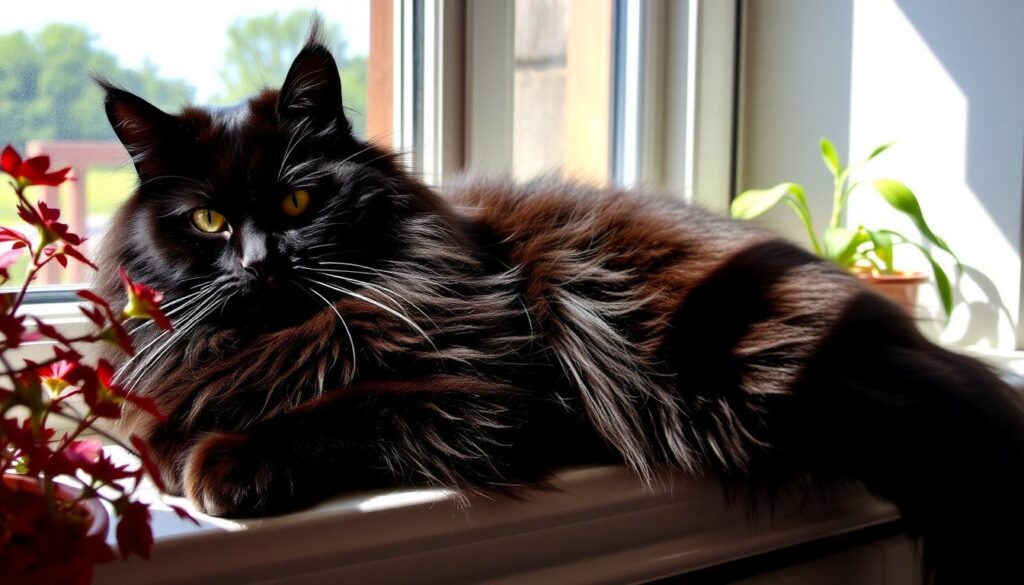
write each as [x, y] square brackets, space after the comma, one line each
[231, 118]
[239, 147]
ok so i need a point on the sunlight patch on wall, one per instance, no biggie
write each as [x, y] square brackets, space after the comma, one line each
[900, 90]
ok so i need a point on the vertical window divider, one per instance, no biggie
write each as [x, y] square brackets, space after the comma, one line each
[405, 95]
[675, 94]
[442, 89]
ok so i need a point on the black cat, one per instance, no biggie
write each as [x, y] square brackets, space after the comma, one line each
[339, 324]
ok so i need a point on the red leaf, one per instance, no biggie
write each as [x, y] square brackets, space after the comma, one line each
[10, 257]
[96, 550]
[33, 171]
[84, 377]
[9, 235]
[84, 452]
[69, 355]
[121, 337]
[134, 534]
[13, 329]
[37, 164]
[147, 462]
[50, 332]
[10, 160]
[94, 315]
[74, 253]
[147, 405]
[143, 301]
[106, 471]
[7, 259]
[183, 514]
[105, 372]
[93, 298]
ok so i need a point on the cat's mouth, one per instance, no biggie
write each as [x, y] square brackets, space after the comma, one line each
[268, 302]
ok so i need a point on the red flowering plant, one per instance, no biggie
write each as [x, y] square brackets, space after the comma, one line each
[48, 475]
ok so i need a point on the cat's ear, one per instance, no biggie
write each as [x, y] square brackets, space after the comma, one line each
[312, 88]
[137, 123]
[140, 126]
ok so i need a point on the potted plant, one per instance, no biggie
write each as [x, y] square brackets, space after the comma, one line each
[868, 253]
[53, 524]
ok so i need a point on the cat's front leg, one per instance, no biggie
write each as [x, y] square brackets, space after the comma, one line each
[237, 474]
[447, 431]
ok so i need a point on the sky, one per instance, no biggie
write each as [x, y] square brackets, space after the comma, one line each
[183, 38]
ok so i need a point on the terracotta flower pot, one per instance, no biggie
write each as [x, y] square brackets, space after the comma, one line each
[901, 287]
[37, 549]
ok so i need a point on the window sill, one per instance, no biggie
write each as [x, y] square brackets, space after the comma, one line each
[599, 525]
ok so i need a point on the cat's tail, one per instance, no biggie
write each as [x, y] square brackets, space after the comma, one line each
[937, 433]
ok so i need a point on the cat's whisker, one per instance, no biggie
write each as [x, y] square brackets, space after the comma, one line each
[169, 314]
[189, 321]
[330, 305]
[202, 288]
[393, 275]
[355, 154]
[178, 305]
[380, 271]
[327, 245]
[176, 311]
[144, 367]
[141, 352]
[379, 305]
[383, 290]
[302, 131]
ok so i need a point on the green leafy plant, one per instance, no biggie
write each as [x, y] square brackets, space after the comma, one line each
[859, 249]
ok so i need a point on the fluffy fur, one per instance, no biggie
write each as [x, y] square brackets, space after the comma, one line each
[479, 339]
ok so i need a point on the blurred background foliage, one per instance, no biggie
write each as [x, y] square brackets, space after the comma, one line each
[46, 90]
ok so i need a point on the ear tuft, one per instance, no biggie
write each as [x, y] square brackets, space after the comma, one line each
[312, 88]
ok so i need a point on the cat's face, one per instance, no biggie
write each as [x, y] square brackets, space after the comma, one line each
[246, 198]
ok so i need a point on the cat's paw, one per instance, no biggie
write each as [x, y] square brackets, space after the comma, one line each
[228, 475]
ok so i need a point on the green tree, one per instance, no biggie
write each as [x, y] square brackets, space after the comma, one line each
[46, 91]
[261, 48]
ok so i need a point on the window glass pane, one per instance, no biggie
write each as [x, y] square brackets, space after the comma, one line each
[563, 78]
[183, 52]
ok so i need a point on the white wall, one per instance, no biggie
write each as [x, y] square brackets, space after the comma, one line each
[945, 79]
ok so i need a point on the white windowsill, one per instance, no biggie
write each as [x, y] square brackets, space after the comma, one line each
[600, 526]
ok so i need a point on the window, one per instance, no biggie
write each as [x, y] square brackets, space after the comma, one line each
[600, 90]
[562, 104]
[48, 103]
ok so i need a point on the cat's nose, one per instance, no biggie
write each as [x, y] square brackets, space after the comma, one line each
[255, 269]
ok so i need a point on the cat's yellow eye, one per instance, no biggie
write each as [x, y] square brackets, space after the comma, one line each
[295, 203]
[208, 220]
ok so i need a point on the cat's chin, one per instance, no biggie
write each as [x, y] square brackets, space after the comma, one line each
[266, 308]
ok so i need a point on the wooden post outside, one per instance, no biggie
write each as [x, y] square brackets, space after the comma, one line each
[380, 91]
[80, 155]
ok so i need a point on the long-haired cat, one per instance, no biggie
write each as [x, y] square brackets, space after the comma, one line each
[339, 324]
